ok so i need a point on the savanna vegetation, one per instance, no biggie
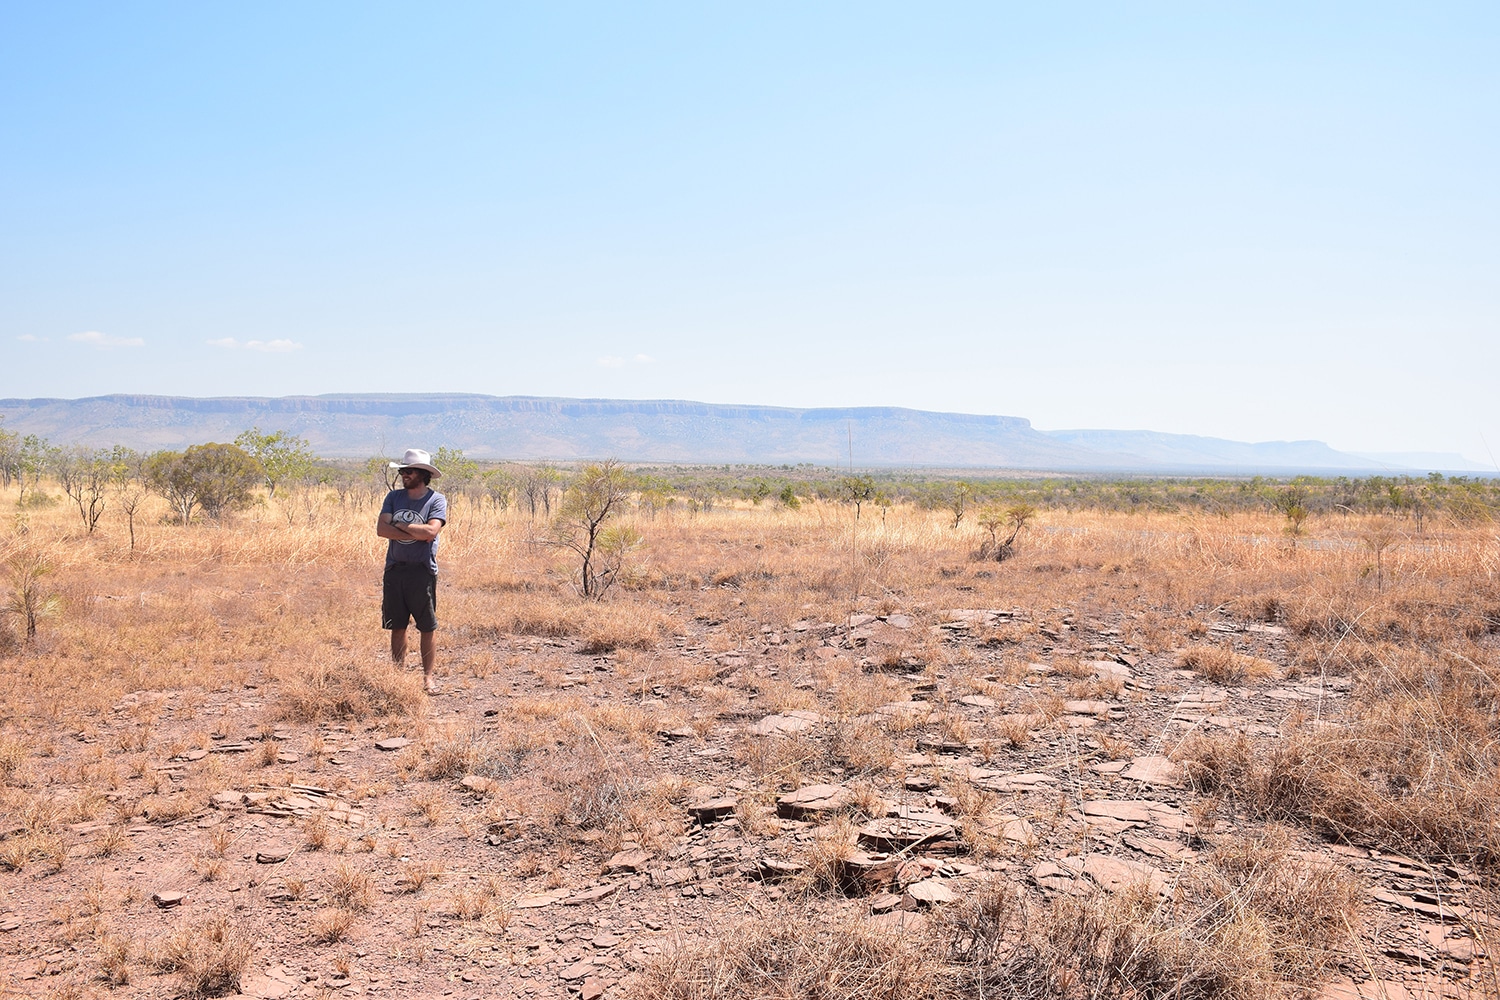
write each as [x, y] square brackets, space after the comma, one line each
[1185, 738]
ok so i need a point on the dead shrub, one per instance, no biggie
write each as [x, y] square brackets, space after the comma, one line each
[209, 956]
[350, 690]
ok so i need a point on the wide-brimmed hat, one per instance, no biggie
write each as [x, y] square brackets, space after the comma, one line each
[416, 458]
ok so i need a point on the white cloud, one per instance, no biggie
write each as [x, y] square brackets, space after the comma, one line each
[615, 361]
[31, 338]
[264, 346]
[105, 341]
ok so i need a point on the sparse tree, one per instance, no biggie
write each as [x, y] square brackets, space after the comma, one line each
[217, 478]
[29, 602]
[597, 493]
[10, 457]
[1292, 501]
[857, 490]
[788, 497]
[992, 519]
[958, 501]
[283, 457]
[85, 476]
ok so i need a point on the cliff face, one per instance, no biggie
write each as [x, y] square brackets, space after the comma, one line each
[663, 430]
[532, 427]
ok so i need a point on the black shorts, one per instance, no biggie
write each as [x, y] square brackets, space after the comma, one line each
[410, 594]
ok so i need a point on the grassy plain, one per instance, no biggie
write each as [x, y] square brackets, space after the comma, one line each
[1181, 755]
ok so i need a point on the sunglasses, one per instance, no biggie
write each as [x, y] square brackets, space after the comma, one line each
[410, 472]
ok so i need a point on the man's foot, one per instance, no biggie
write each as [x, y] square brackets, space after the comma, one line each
[430, 686]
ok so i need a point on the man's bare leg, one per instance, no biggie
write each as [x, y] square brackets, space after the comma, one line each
[428, 645]
[398, 646]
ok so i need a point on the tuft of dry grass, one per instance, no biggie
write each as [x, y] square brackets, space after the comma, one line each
[1418, 765]
[1253, 921]
[793, 955]
[350, 889]
[1225, 666]
[349, 689]
[330, 925]
[209, 956]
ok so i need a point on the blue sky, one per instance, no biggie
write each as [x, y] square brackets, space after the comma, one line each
[1252, 221]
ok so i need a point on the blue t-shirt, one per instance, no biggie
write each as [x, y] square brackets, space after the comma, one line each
[404, 510]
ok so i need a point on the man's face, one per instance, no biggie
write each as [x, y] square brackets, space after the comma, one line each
[411, 476]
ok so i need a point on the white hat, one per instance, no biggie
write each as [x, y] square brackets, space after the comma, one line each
[415, 458]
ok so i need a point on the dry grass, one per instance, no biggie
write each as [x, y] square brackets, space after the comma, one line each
[347, 689]
[1252, 922]
[793, 955]
[209, 957]
[1225, 666]
[237, 629]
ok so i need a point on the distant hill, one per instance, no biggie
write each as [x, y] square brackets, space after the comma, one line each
[527, 427]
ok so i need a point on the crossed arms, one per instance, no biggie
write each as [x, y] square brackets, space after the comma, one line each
[386, 528]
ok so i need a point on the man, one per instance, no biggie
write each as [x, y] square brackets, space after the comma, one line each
[412, 518]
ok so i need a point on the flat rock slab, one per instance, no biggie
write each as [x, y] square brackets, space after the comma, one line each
[10, 922]
[786, 723]
[994, 781]
[264, 987]
[273, 854]
[930, 892]
[913, 829]
[1094, 708]
[1120, 809]
[977, 701]
[593, 895]
[711, 810]
[628, 861]
[1108, 669]
[936, 744]
[392, 743]
[1154, 771]
[1168, 850]
[813, 801]
[537, 900]
[167, 899]
[1012, 828]
[1110, 874]
[577, 971]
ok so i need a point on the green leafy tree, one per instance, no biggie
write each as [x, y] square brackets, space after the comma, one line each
[993, 519]
[217, 478]
[858, 490]
[1292, 502]
[284, 458]
[788, 497]
[597, 494]
[10, 457]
